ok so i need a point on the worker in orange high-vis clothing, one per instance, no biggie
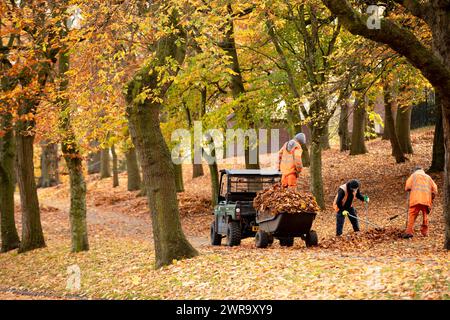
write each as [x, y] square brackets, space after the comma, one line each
[422, 191]
[290, 160]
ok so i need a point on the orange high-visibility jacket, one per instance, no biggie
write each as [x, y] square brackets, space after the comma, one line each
[290, 161]
[343, 187]
[422, 188]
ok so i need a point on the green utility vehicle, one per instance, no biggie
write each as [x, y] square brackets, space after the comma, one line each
[234, 216]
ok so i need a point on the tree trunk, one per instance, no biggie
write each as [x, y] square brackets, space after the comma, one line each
[73, 158]
[445, 101]
[197, 170]
[9, 236]
[49, 165]
[8, 231]
[115, 169]
[237, 84]
[392, 116]
[105, 167]
[441, 47]
[325, 139]
[215, 187]
[438, 158]
[358, 145]
[344, 135]
[316, 169]
[32, 235]
[157, 167]
[389, 105]
[387, 109]
[94, 160]
[179, 177]
[306, 159]
[133, 174]
[251, 149]
[370, 128]
[159, 181]
[78, 224]
[213, 170]
[44, 179]
[403, 125]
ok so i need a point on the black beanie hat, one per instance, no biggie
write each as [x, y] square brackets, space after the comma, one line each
[353, 184]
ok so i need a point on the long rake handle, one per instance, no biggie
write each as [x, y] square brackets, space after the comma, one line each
[366, 205]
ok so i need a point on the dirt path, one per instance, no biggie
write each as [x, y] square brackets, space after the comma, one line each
[118, 223]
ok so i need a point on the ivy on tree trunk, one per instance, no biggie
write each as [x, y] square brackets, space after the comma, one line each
[73, 158]
[9, 236]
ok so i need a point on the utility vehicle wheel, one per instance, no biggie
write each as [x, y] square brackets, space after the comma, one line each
[216, 239]
[311, 239]
[261, 239]
[270, 239]
[233, 234]
[287, 242]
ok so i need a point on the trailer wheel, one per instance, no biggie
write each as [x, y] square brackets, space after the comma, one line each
[216, 239]
[286, 242]
[311, 239]
[261, 239]
[233, 233]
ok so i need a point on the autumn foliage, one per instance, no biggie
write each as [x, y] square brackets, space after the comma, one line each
[278, 199]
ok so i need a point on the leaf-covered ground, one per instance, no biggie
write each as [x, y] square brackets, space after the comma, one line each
[369, 265]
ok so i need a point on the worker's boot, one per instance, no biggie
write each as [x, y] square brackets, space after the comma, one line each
[424, 230]
[407, 235]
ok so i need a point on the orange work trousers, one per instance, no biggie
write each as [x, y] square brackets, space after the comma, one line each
[289, 180]
[412, 216]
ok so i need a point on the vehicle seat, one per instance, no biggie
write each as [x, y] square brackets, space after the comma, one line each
[241, 196]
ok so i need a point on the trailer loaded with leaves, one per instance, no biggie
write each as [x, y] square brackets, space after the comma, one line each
[284, 214]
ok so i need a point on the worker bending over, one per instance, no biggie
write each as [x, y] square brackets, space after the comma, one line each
[422, 191]
[290, 160]
[343, 205]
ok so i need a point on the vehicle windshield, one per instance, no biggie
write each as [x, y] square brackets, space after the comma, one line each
[251, 184]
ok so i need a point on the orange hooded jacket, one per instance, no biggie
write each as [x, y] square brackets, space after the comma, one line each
[422, 189]
[290, 162]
